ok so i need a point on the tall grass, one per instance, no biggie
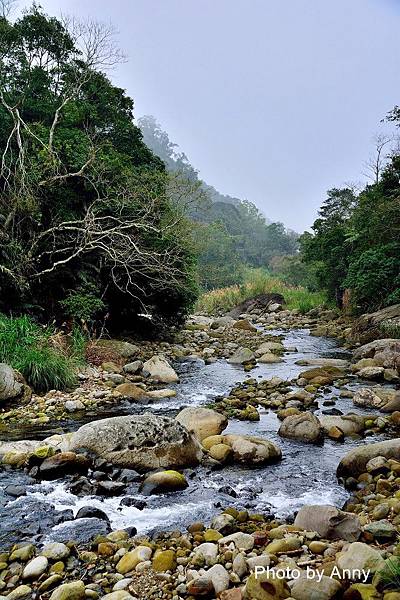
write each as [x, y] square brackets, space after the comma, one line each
[28, 348]
[259, 282]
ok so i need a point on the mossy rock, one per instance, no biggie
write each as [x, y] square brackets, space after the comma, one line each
[163, 482]
[164, 560]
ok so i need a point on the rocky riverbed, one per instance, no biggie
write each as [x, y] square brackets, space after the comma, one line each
[265, 426]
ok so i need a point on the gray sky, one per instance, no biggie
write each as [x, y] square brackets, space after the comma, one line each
[275, 101]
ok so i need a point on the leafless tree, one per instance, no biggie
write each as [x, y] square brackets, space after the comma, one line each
[7, 7]
[374, 166]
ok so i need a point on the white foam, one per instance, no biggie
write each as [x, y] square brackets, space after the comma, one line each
[121, 516]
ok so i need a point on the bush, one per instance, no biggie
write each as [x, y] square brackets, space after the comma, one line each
[27, 347]
[82, 306]
[373, 276]
[259, 282]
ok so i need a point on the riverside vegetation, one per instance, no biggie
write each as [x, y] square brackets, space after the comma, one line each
[120, 478]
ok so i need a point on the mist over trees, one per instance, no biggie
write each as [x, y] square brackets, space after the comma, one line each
[229, 234]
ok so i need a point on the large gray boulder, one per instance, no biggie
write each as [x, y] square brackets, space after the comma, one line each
[252, 450]
[355, 462]
[9, 386]
[241, 356]
[349, 424]
[140, 442]
[304, 428]
[203, 422]
[372, 326]
[376, 346]
[329, 522]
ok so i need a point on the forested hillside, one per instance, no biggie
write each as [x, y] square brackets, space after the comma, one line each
[229, 234]
[355, 242]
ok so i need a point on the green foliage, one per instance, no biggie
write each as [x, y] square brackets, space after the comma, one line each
[373, 275]
[258, 282]
[389, 575]
[355, 243]
[27, 347]
[218, 260]
[82, 306]
[294, 271]
[83, 201]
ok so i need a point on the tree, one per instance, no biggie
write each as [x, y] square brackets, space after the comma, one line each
[329, 247]
[83, 202]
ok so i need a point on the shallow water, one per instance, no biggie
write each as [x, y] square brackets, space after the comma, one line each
[306, 475]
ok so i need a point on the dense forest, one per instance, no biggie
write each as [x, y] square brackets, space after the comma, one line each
[87, 225]
[355, 241]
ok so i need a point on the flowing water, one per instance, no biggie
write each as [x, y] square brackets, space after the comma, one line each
[306, 475]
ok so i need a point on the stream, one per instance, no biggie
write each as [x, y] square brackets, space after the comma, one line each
[306, 475]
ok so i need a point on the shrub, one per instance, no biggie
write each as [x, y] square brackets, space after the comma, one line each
[259, 282]
[27, 347]
[82, 306]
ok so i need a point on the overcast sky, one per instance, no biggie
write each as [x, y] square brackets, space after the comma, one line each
[275, 101]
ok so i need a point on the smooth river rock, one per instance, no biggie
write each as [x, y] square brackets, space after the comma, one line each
[203, 422]
[355, 462]
[329, 522]
[140, 442]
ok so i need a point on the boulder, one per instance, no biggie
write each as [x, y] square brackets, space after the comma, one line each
[244, 325]
[252, 450]
[360, 556]
[63, 463]
[222, 322]
[366, 398]
[306, 588]
[348, 424]
[160, 370]
[131, 391]
[267, 347]
[119, 348]
[323, 362]
[133, 367]
[370, 326]
[269, 358]
[241, 356]
[140, 442]
[392, 405]
[355, 462]
[163, 482]
[202, 422]
[265, 586]
[329, 522]
[131, 559]
[9, 386]
[304, 428]
[35, 568]
[75, 590]
[371, 373]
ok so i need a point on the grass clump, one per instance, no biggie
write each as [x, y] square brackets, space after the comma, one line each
[29, 348]
[259, 282]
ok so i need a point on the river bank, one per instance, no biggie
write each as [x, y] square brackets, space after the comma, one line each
[259, 496]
